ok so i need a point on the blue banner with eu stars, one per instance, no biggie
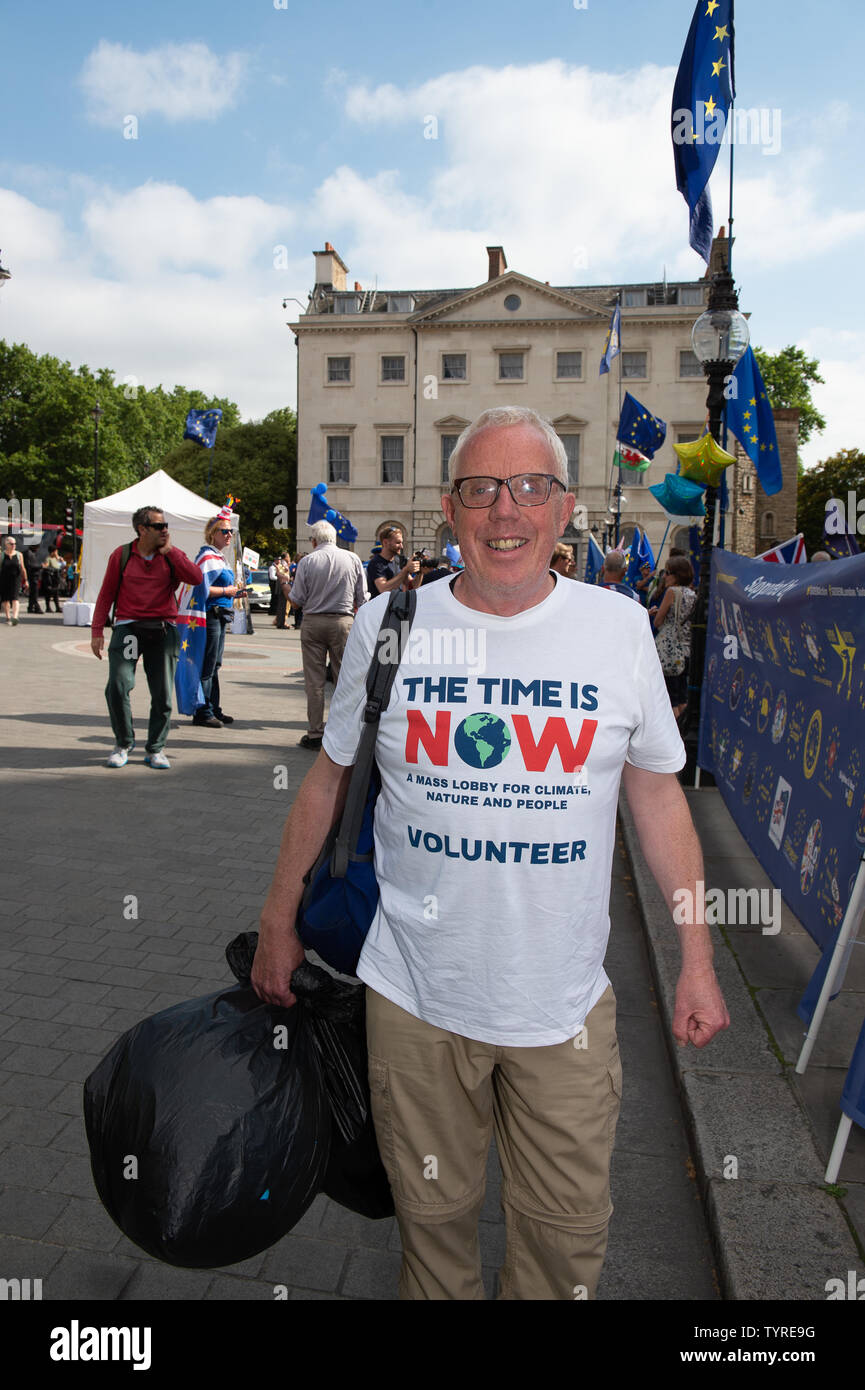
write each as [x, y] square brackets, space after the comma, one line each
[702, 94]
[781, 724]
[201, 426]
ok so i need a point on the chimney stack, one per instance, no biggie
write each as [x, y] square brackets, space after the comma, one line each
[330, 269]
[498, 264]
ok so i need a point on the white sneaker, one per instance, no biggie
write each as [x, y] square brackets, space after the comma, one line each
[157, 760]
[119, 758]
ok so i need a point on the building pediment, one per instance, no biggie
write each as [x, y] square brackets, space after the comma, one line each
[452, 424]
[568, 422]
[486, 302]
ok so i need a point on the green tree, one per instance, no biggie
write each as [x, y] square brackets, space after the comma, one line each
[833, 477]
[257, 464]
[788, 377]
[47, 428]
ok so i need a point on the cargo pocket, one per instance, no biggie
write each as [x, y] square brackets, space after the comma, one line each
[614, 1073]
[379, 1090]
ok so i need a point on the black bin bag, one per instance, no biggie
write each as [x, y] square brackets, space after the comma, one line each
[336, 1010]
[210, 1125]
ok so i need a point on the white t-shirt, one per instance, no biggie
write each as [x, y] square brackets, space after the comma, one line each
[500, 753]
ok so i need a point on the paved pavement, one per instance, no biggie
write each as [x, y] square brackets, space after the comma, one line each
[78, 969]
[761, 1134]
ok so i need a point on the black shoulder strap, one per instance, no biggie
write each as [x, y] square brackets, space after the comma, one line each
[398, 619]
[124, 561]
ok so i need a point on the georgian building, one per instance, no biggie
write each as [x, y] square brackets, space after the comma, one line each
[387, 379]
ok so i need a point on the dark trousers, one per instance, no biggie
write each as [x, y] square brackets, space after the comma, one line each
[213, 653]
[159, 652]
[33, 578]
[281, 602]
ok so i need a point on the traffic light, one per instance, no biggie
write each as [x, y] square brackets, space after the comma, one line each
[70, 524]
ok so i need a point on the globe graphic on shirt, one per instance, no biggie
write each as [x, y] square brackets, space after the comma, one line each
[482, 740]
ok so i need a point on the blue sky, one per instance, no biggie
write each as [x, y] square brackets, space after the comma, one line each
[259, 127]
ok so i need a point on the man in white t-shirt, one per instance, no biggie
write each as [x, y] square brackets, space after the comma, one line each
[520, 703]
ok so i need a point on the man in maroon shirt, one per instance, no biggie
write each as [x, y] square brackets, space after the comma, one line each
[144, 625]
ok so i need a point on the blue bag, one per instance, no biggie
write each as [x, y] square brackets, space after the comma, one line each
[340, 893]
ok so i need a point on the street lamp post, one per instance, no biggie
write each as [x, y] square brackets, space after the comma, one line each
[719, 338]
[97, 413]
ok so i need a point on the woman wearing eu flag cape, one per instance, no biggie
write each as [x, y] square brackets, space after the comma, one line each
[206, 611]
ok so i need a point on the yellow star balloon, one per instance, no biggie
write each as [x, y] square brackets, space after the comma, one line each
[703, 460]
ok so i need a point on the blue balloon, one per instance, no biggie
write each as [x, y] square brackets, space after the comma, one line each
[330, 515]
[320, 489]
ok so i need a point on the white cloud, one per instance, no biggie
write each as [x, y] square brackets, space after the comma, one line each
[550, 157]
[180, 81]
[32, 234]
[536, 157]
[160, 226]
[192, 297]
[780, 219]
[839, 400]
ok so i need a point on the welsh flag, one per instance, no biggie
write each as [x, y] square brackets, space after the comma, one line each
[626, 456]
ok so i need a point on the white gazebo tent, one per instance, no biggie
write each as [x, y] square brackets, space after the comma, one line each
[108, 524]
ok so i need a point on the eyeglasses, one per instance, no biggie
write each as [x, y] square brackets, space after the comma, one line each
[225, 531]
[157, 525]
[527, 489]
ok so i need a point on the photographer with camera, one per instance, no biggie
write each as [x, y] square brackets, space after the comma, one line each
[391, 570]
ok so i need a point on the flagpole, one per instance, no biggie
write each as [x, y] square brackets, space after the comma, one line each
[619, 479]
[722, 523]
[731, 127]
[663, 543]
[607, 522]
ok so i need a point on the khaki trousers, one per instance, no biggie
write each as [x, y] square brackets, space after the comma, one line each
[436, 1099]
[321, 635]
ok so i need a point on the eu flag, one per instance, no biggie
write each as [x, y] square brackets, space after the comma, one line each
[201, 426]
[611, 342]
[320, 510]
[839, 534]
[641, 554]
[749, 416]
[702, 95]
[638, 427]
[594, 561]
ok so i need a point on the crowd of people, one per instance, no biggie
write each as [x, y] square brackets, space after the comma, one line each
[50, 577]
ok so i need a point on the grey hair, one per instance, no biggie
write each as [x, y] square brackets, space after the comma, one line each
[502, 416]
[615, 560]
[323, 533]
